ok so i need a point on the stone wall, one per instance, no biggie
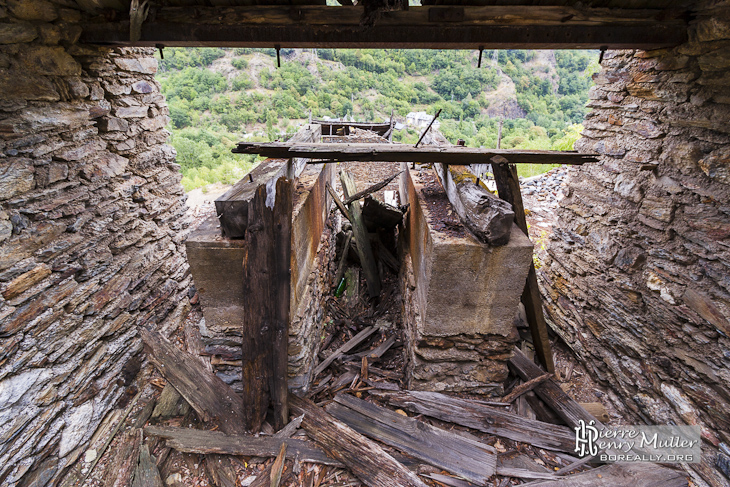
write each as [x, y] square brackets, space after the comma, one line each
[636, 273]
[91, 232]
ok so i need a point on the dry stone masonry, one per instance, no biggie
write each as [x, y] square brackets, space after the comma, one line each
[636, 281]
[91, 231]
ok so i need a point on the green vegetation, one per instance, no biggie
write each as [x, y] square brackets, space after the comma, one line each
[218, 96]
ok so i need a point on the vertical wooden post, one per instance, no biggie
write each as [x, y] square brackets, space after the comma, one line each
[360, 233]
[266, 286]
[508, 186]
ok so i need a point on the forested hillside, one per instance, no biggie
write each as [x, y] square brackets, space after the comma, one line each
[219, 96]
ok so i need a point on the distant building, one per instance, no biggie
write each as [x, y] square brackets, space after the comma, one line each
[421, 120]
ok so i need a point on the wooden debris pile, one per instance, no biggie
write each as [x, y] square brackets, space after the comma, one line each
[364, 430]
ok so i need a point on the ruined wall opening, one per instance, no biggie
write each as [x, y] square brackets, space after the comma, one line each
[92, 228]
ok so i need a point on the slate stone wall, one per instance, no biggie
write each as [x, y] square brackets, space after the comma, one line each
[91, 232]
[637, 274]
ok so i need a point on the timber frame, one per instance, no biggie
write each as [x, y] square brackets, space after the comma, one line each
[426, 27]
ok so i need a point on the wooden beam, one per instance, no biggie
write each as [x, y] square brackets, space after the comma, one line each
[363, 457]
[191, 440]
[473, 414]
[508, 187]
[360, 234]
[461, 455]
[407, 153]
[232, 206]
[488, 27]
[569, 410]
[266, 291]
[621, 475]
[210, 397]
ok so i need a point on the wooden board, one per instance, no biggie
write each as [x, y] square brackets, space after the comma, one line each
[490, 420]
[488, 27]
[508, 186]
[564, 406]
[191, 440]
[460, 455]
[210, 397]
[363, 457]
[621, 475]
[406, 153]
[232, 206]
[266, 291]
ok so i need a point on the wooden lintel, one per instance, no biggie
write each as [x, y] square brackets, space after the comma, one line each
[489, 27]
[407, 153]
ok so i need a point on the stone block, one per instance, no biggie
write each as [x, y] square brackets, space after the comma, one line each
[35, 10]
[16, 86]
[141, 65]
[462, 285]
[16, 177]
[52, 61]
[17, 33]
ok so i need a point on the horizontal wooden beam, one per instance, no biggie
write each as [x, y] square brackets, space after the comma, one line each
[462, 27]
[406, 153]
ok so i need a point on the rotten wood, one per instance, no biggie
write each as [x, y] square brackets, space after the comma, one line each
[459, 454]
[596, 409]
[376, 214]
[278, 466]
[569, 410]
[487, 217]
[364, 250]
[621, 475]
[508, 186]
[477, 416]
[371, 189]
[338, 201]
[526, 387]
[365, 458]
[146, 474]
[428, 154]
[346, 347]
[191, 440]
[232, 206]
[122, 464]
[266, 291]
[207, 394]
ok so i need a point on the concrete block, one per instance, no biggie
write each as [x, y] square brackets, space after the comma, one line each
[462, 285]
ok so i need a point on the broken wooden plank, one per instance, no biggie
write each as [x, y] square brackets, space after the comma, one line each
[232, 206]
[460, 455]
[483, 418]
[191, 440]
[569, 410]
[266, 291]
[376, 214]
[368, 461]
[360, 234]
[207, 394]
[371, 189]
[508, 186]
[343, 259]
[146, 474]
[406, 153]
[346, 347]
[487, 217]
[120, 469]
[338, 201]
[620, 475]
[526, 387]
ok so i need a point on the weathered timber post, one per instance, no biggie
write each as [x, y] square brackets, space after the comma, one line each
[267, 289]
[508, 187]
